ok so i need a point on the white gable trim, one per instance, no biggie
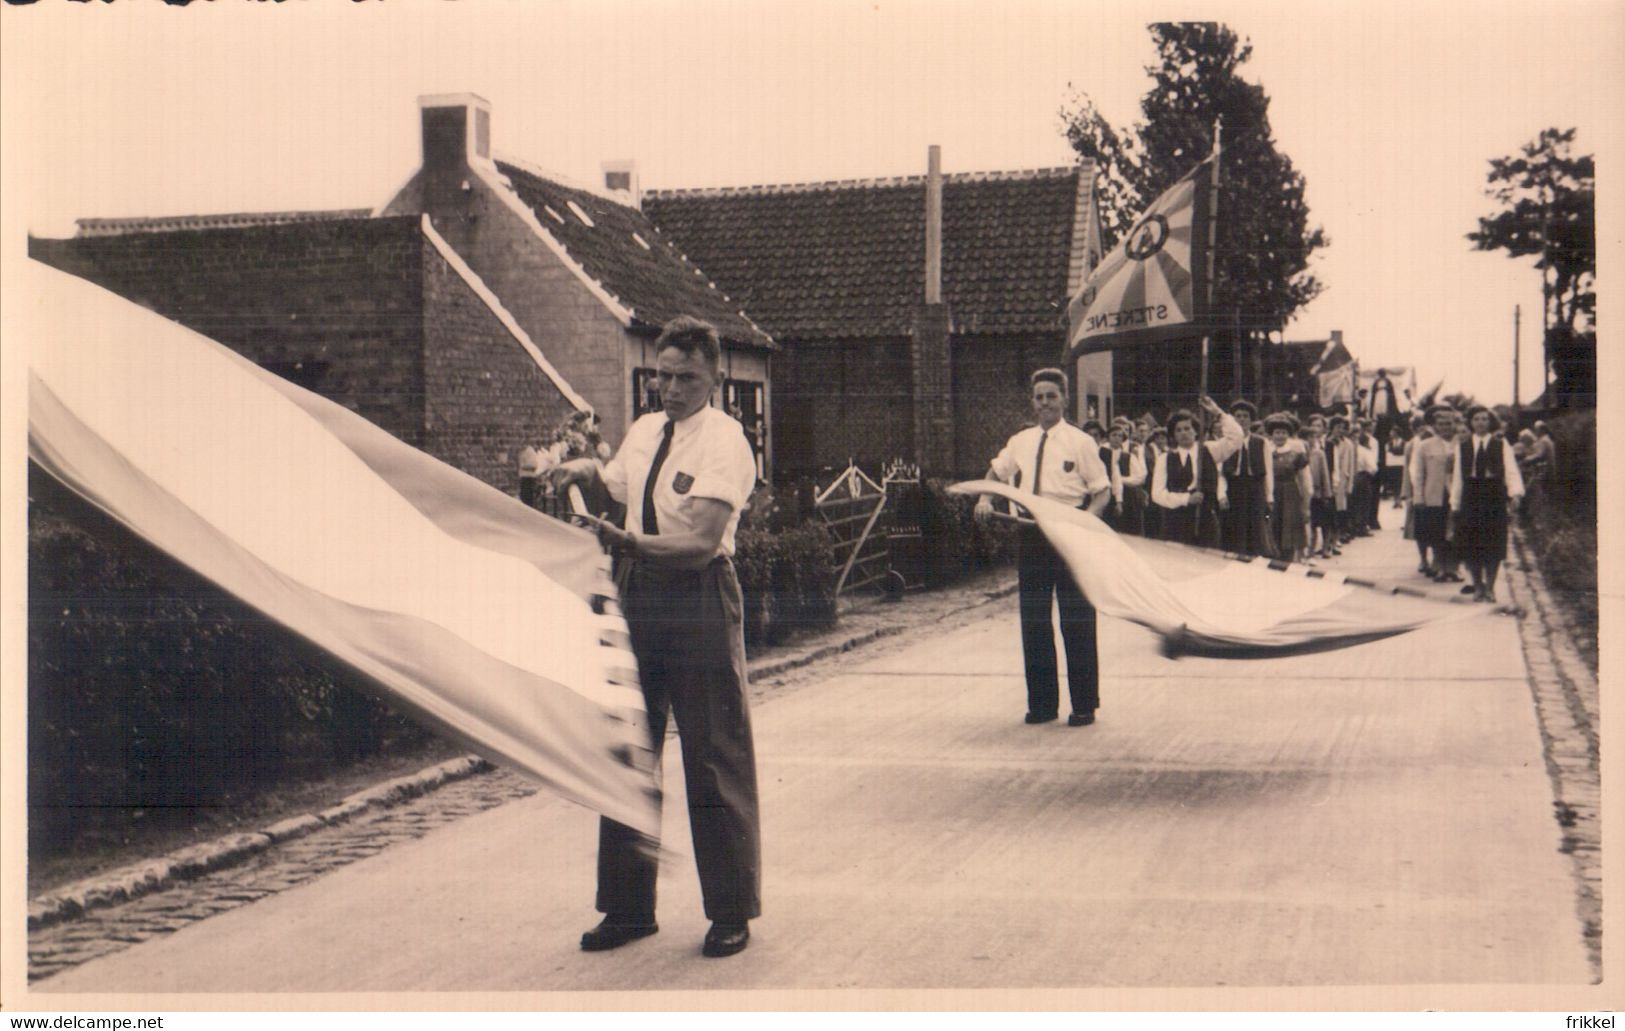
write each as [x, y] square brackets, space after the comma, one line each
[504, 189]
[484, 293]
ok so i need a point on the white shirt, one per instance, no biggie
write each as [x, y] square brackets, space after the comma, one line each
[1072, 469]
[1221, 449]
[709, 458]
[1136, 470]
[1365, 456]
[1509, 463]
[530, 461]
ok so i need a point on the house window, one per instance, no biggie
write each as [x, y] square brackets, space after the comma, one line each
[746, 400]
[645, 392]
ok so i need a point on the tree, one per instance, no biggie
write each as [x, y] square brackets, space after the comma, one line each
[1548, 201]
[1261, 273]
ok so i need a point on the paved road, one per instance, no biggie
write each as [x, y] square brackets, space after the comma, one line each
[1379, 815]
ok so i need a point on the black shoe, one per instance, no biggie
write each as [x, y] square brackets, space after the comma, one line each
[726, 939]
[1080, 719]
[1467, 589]
[616, 931]
[1033, 717]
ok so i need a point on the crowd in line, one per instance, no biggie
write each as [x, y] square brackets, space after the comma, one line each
[1300, 489]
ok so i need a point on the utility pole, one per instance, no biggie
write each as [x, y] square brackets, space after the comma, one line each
[1517, 326]
[1212, 241]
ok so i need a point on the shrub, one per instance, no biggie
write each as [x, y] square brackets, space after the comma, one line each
[152, 694]
[1562, 523]
[788, 580]
[956, 545]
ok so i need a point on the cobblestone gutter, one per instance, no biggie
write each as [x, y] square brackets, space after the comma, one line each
[1565, 696]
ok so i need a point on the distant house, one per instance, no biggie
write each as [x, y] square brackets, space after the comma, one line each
[472, 311]
[910, 311]
[1293, 366]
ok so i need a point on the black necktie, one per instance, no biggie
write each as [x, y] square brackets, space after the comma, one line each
[1241, 469]
[650, 523]
[1038, 460]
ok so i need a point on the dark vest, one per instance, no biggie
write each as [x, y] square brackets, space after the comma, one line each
[1494, 460]
[1207, 474]
[1124, 461]
[1254, 447]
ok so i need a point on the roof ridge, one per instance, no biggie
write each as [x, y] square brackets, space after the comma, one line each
[568, 182]
[222, 220]
[1014, 175]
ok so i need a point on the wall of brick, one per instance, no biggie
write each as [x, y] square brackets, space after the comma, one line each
[571, 326]
[991, 395]
[484, 396]
[835, 399]
[334, 305]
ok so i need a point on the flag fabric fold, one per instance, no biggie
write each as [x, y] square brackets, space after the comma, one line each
[491, 621]
[1206, 602]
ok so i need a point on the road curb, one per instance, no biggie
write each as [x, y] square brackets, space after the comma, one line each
[144, 878]
[773, 667]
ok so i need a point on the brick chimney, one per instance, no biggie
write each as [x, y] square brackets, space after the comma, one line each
[933, 226]
[455, 133]
[456, 130]
[931, 349]
[621, 176]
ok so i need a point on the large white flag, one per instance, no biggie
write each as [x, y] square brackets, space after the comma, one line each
[1189, 595]
[492, 621]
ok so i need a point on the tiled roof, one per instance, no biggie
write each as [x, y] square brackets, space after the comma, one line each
[620, 248]
[845, 259]
[239, 220]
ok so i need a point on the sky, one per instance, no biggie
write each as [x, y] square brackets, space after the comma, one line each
[1390, 111]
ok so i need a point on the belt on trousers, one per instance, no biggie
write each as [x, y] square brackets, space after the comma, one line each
[649, 571]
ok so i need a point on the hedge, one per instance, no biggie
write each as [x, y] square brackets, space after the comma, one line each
[1561, 521]
[956, 545]
[152, 695]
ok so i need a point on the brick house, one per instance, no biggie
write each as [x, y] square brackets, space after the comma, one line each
[584, 271]
[910, 311]
[476, 308]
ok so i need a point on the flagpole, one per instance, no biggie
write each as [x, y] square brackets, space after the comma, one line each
[1212, 243]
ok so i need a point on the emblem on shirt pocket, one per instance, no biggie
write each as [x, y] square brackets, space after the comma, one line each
[1069, 466]
[682, 483]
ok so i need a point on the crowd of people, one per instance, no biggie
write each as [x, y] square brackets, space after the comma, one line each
[1300, 488]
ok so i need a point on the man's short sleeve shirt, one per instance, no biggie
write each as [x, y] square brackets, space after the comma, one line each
[1072, 466]
[709, 458]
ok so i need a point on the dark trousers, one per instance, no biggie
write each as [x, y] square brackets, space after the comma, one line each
[1192, 524]
[1043, 576]
[1363, 502]
[688, 636]
[1244, 527]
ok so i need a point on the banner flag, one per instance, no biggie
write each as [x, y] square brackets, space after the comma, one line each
[1147, 288]
[1387, 390]
[1334, 373]
[1190, 595]
[491, 621]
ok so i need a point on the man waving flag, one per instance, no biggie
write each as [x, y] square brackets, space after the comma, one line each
[1189, 595]
[492, 622]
